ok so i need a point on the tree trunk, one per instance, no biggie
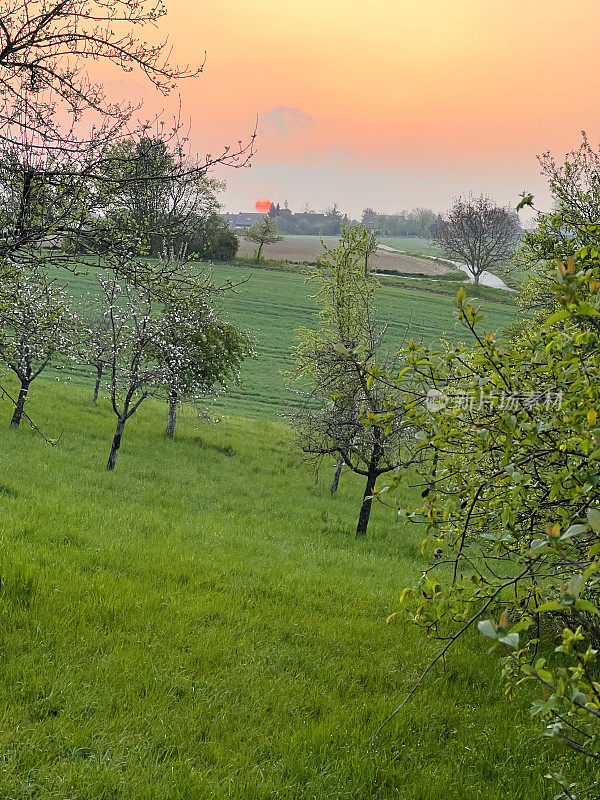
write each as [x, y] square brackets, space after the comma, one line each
[258, 252]
[365, 509]
[116, 444]
[172, 414]
[476, 276]
[99, 370]
[20, 405]
[336, 478]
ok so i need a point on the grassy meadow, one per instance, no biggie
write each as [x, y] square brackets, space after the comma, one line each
[201, 623]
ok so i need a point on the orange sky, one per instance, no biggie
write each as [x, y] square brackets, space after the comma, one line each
[388, 103]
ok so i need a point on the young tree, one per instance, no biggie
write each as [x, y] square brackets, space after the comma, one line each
[94, 347]
[202, 352]
[478, 233]
[263, 232]
[137, 333]
[37, 329]
[338, 361]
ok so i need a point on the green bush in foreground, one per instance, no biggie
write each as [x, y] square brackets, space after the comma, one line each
[511, 506]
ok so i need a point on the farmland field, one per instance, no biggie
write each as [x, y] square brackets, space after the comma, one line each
[305, 248]
[271, 305]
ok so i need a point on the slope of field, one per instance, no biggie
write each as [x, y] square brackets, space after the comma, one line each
[305, 248]
[201, 624]
[272, 305]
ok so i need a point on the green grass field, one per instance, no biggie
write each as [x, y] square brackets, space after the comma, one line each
[201, 624]
[271, 305]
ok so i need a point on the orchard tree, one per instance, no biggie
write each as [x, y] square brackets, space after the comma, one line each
[94, 347]
[262, 233]
[37, 329]
[202, 352]
[338, 362]
[478, 233]
[137, 333]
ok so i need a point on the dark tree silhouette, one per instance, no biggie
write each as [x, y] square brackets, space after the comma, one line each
[478, 233]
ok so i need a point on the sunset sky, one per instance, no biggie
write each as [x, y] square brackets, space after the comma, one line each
[387, 103]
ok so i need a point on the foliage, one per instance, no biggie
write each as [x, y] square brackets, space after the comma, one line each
[512, 501]
[340, 362]
[308, 223]
[559, 235]
[263, 232]
[478, 233]
[211, 239]
[417, 222]
[37, 328]
[160, 193]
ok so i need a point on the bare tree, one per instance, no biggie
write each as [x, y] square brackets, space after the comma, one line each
[478, 233]
[46, 46]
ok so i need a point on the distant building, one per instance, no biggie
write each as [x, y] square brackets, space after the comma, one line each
[242, 220]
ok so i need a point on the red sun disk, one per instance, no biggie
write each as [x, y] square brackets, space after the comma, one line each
[263, 206]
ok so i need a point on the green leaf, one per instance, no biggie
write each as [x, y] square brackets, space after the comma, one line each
[585, 309]
[487, 628]
[574, 530]
[574, 585]
[551, 605]
[557, 317]
[593, 517]
[585, 605]
[511, 639]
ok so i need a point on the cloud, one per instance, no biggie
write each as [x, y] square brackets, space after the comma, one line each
[284, 121]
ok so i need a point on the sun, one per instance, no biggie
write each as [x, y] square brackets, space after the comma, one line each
[263, 206]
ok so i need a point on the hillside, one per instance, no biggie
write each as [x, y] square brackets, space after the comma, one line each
[202, 624]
